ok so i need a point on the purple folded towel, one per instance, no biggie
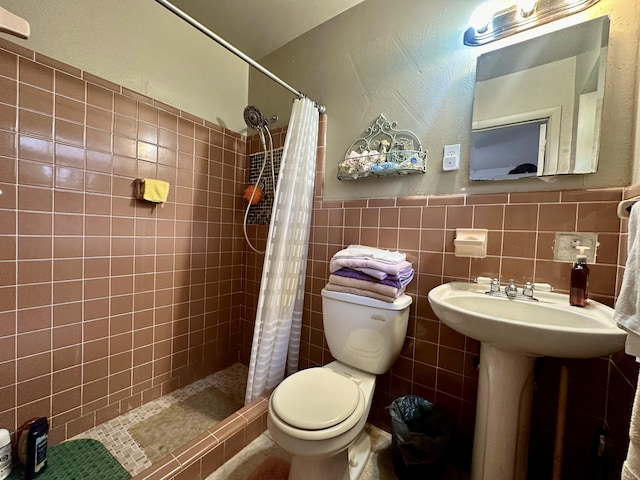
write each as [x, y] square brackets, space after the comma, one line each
[399, 281]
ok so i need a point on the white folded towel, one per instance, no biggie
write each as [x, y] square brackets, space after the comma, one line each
[371, 253]
[627, 309]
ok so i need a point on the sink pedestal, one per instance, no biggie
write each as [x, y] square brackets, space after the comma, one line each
[503, 414]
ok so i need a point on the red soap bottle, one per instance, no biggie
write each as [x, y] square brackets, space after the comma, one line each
[578, 293]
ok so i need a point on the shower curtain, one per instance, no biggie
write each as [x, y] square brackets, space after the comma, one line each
[276, 335]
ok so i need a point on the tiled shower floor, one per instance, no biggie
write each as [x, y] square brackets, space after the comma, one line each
[114, 434]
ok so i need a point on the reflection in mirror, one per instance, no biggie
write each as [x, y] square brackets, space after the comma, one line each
[538, 104]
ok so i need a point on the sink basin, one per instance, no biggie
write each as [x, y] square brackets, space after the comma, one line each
[549, 327]
[512, 333]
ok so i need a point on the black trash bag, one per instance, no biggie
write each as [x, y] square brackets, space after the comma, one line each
[421, 438]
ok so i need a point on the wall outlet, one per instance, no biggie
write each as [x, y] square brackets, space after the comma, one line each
[451, 158]
[564, 246]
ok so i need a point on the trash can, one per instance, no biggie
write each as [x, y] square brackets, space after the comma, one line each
[421, 437]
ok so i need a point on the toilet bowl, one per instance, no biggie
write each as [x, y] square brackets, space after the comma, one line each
[318, 416]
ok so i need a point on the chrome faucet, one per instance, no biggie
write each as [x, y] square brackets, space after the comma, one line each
[527, 291]
[511, 290]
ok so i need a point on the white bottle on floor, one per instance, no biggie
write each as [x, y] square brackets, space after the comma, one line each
[5, 453]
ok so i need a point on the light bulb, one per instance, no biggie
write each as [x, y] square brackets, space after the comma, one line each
[526, 7]
[481, 16]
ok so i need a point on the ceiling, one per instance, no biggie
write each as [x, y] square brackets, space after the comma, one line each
[258, 27]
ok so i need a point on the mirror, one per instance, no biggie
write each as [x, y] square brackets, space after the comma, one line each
[537, 105]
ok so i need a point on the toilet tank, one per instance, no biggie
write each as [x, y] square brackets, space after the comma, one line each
[363, 332]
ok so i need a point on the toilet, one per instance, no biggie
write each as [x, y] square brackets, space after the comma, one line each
[318, 414]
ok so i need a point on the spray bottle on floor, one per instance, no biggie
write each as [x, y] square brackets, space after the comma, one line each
[578, 292]
[32, 447]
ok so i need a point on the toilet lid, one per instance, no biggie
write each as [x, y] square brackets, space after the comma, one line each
[315, 398]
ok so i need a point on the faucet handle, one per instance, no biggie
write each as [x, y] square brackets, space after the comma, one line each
[495, 285]
[527, 291]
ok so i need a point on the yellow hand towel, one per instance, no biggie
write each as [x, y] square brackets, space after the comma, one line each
[155, 190]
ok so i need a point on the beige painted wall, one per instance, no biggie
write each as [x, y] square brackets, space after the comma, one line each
[142, 46]
[407, 61]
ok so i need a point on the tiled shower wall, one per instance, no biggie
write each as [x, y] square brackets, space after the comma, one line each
[107, 302]
[260, 213]
[439, 364]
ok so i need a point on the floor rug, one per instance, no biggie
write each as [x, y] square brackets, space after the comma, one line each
[249, 459]
[164, 432]
[78, 460]
[255, 455]
[273, 468]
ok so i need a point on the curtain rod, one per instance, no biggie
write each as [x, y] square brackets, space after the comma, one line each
[193, 22]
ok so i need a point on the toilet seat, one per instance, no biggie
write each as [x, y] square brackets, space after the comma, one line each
[317, 403]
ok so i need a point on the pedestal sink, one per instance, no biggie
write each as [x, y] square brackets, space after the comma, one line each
[513, 332]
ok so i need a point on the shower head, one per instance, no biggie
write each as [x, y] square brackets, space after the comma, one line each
[254, 119]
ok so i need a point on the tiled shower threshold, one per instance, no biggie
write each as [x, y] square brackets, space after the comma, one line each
[115, 436]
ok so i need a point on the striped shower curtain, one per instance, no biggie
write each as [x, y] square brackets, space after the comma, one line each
[276, 335]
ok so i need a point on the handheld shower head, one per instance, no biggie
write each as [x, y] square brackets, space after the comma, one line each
[253, 117]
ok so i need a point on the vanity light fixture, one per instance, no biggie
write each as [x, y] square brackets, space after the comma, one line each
[497, 19]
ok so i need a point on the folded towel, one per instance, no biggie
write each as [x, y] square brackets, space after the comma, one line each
[155, 191]
[371, 272]
[358, 291]
[398, 281]
[358, 263]
[385, 290]
[371, 253]
[627, 309]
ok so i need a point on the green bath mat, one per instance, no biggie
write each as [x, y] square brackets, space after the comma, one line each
[164, 432]
[82, 459]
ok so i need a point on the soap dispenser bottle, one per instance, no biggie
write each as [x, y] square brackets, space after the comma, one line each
[578, 293]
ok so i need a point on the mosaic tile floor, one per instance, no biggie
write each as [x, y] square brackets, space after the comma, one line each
[114, 434]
